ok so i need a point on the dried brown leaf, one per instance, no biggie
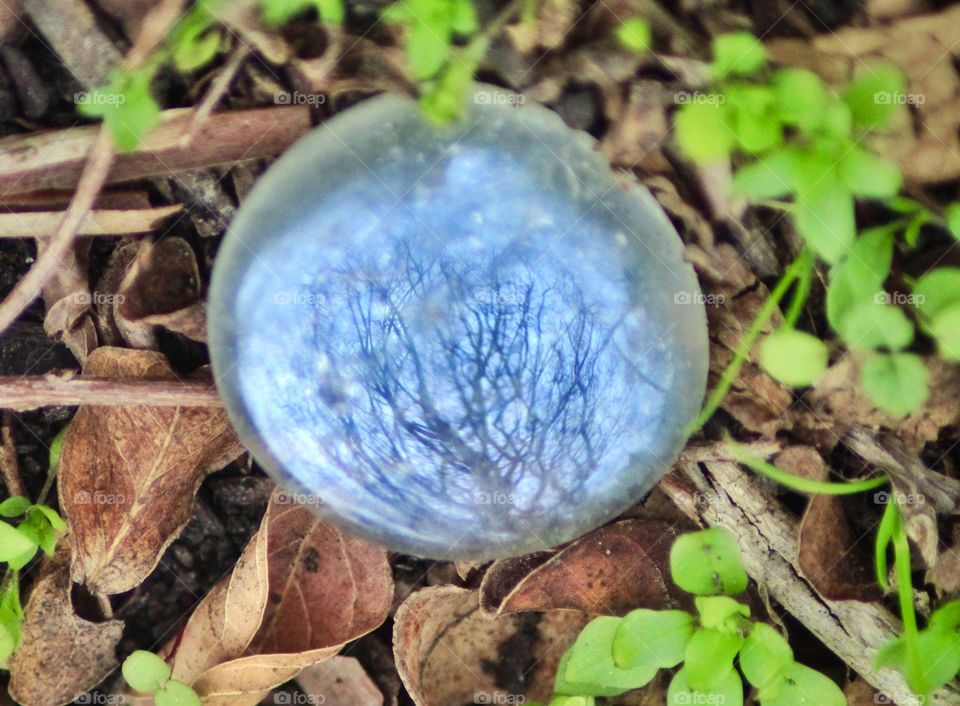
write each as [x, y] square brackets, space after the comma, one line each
[61, 655]
[839, 396]
[340, 681]
[326, 588]
[68, 299]
[161, 287]
[223, 625]
[128, 475]
[612, 570]
[448, 652]
[315, 565]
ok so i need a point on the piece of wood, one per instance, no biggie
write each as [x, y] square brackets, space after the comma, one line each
[53, 160]
[33, 392]
[71, 29]
[102, 222]
[767, 535]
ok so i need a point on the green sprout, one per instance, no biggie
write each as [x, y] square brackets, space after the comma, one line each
[39, 529]
[147, 673]
[614, 655]
[798, 147]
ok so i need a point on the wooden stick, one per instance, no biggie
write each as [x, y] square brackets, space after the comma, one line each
[32, 392]
[54, 159]
[94, 175]
[40, 224]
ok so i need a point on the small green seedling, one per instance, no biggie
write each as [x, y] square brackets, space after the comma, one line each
[146, 672]
[38, 530]
[798, 147]
[613, 655]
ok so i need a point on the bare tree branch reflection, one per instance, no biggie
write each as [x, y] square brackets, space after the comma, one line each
[466, 383]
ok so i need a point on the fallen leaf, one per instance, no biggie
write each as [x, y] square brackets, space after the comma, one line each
[839, 396]
[611, 570]
[340, 681]
[128, 475]
[448, 652]
[161, 288]
[325, 588]
[68, 299]
[314, 564]
[61, 655]
[222, 626]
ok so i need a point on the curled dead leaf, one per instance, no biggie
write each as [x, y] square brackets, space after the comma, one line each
[612, 570]
[161, 288]
[128, 475]
[301, 591]
[61, 655]
[448, 652]
[226, 620]
[68, 299]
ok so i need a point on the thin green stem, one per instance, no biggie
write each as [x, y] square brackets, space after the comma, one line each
[730, 373]
[802, 290]
[801, 484]
[902, 567]
[885, 530]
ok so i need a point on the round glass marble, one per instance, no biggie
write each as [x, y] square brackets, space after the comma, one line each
[462, 342]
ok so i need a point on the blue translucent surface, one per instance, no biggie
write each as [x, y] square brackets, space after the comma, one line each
[461, 342]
